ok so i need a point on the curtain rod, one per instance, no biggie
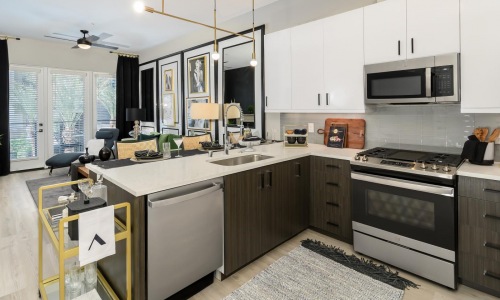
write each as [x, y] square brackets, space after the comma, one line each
[124, 54]
[6, 37]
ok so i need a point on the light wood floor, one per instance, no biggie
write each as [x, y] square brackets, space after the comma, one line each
[19, 252]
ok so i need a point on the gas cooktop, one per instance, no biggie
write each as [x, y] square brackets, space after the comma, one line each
[422, 162]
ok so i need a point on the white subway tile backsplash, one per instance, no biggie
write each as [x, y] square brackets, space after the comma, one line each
[426, 125]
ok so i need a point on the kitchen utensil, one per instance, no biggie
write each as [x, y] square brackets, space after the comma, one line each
[494, 135]
[484, 134]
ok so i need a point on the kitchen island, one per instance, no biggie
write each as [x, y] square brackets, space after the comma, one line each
[135, 182]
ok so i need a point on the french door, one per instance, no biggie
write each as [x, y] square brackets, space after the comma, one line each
[27, 118]
[48, 114]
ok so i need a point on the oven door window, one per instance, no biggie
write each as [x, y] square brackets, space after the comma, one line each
[400, 209]
[396, 84]
[422, 216]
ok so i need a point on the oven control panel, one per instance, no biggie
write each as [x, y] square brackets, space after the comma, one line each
[397, 163]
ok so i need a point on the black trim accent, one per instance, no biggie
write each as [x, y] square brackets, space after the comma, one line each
[270, 178]
[333, 166]
[331, 223]
[332, 183]
[411, 45]
[399, 47]
[491, 191]
[332, 203]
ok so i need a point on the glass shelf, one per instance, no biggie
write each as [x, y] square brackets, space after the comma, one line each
[50, 288]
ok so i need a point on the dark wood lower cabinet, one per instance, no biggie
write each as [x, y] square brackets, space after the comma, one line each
[330, 204]
[263, 208]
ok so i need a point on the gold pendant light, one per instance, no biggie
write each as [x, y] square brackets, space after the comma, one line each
[215, 54]
[253, 62]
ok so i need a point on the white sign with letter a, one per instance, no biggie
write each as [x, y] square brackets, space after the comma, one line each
[96, 232]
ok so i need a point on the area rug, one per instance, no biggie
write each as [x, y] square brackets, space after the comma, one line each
[49, 196]
[305, 274]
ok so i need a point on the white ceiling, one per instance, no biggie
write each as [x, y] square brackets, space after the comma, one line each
[36, 18]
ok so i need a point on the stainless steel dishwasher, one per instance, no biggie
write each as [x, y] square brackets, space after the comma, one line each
[184, 236]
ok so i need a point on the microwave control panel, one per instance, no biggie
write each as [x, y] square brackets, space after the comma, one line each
[443, 81]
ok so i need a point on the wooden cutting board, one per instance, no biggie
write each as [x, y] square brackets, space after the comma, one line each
[355, 131]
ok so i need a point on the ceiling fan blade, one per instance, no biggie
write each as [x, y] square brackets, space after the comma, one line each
[104, 35]
[92, 38]
[58, 38]
[67, 35]
[105, 46]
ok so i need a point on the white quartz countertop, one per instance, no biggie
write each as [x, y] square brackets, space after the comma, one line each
[147, 178]
[485, 172]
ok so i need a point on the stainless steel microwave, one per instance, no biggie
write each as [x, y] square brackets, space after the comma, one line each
[434, 79]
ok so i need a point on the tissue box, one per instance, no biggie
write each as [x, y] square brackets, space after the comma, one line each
[77, 207]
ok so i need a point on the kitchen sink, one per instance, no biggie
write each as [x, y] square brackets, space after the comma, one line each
[239, 160]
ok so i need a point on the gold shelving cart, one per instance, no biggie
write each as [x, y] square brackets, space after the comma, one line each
[53, 287]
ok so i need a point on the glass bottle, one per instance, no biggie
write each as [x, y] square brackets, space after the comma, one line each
[100, 190]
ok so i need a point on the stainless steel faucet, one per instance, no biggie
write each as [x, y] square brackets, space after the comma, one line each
[227, 144]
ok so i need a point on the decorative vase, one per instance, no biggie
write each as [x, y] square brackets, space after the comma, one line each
[85, 158]
[104, 153]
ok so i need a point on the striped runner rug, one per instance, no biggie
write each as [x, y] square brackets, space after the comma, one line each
[304, 274]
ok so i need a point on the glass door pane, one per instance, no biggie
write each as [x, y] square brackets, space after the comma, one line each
[26, 118]
[68, 113]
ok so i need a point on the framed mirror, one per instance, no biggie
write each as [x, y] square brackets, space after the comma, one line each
[241, 83]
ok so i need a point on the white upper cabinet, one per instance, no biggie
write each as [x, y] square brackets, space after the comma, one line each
[343, 62]
[433, 27]
[385, 31]
[405, 29]
[307, 66]
[480, 59]
[278, 71]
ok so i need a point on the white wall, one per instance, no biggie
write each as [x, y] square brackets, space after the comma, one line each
[39, 53]
[276, 16]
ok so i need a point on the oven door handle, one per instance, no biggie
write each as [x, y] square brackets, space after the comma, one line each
[428, 84]
[405, 184]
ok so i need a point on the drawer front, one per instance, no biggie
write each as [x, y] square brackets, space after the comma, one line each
[479, 242]
[328, 165]
[480, 271]
[479, 188]
[479, 213]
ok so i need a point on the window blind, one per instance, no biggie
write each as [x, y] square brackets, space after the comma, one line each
[106, 100]
[23, 113]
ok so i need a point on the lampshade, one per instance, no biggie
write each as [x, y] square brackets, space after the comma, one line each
[133, 114]
[205, 111]
[234, 112]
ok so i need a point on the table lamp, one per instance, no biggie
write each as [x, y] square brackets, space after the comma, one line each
[136, 115]
[205, 111]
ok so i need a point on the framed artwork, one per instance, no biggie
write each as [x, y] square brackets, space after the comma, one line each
[196, 123]
[147, 129]
[196, 132]
[168, 109]
[198, 82]
[168, 80]
[170, 131]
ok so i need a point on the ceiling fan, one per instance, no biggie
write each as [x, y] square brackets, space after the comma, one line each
[86, 42]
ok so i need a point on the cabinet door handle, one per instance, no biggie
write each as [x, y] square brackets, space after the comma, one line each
[319, 99]
[411, 45]
[333, 224]
[491, 217]
[327, 99]
[299, 170]
[270, 178]
[266, 101]
[332, 183]
[333, 166]
[491, 274]
[399, 47]
[261, 181]
[491, 191]
[332, 203]
[491, 245]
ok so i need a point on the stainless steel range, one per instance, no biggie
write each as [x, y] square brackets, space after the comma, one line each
[405, 210]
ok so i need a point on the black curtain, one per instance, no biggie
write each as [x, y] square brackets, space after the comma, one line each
[147, 94]
[127, 92]
[4, 110]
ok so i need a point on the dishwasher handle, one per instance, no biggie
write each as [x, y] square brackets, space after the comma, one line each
[168, 201]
